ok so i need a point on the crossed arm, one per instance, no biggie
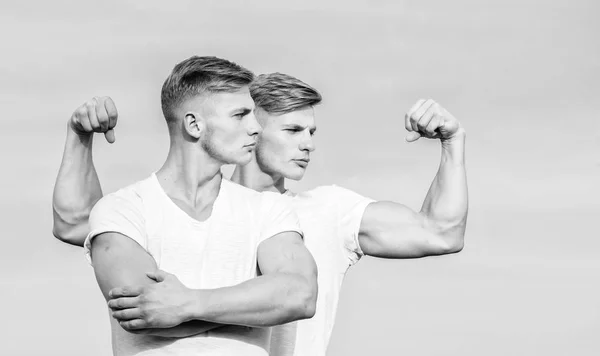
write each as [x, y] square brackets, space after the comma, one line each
[286, 290]
[118, 261]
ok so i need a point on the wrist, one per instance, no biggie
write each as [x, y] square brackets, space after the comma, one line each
[453, 148]
[457, 138]
[74, 135]
[196, 308]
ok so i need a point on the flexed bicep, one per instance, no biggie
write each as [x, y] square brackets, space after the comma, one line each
[392, 230]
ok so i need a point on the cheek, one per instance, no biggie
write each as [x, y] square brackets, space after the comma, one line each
[271, 148]
[224, 136]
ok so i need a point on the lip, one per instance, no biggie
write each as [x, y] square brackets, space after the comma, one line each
[303, 162]
[250, 144]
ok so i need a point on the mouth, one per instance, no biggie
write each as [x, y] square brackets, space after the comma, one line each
[250, 145]
[302, 162]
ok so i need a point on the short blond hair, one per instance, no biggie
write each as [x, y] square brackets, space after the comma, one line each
[278, 93]
[198, 75]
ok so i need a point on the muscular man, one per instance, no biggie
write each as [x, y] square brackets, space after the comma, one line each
[339, 225]
[237, 253]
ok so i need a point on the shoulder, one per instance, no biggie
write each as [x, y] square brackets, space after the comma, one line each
[131, 196]
[235, 190]
[327, 193]
[256, 198]
[330, 198]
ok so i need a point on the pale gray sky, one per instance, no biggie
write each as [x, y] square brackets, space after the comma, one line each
[522, 76]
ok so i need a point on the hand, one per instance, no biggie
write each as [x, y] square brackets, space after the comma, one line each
[161, 305]
[96, 115]
[429, 119]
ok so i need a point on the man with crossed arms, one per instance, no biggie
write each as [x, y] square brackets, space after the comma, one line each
[238, 253]
[339, 225]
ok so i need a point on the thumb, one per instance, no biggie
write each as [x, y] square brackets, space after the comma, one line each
[412, 136]
[110, 136]
[158, 275]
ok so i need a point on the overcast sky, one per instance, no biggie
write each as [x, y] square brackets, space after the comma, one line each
[523, 77]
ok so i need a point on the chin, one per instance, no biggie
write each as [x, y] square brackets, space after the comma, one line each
[244, 160]
[240, 160]
[295, 174]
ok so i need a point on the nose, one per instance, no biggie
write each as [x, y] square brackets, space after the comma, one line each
[307, 144]
[253, 126]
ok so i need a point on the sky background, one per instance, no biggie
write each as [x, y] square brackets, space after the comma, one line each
[523, 77]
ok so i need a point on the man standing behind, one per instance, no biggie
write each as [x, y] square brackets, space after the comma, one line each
[210, 233]
[339, 225]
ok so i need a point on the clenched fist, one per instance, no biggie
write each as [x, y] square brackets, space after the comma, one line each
[96, 115]
[429, 119]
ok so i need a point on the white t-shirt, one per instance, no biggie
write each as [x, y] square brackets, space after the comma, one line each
[330, 218]
[218, 252]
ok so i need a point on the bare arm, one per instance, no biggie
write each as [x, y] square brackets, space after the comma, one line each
[119, 260]
[76, 191]
[77, 186]
[392, 230]
[286, 291]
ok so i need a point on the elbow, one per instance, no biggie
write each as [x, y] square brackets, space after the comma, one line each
[304, 303]
[68, 229]
[453, 237]
[455, 246]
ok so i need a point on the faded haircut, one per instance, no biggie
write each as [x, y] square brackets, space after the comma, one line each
[198, 75]
[278, 93]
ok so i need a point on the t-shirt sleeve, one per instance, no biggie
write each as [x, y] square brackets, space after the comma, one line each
[278, 215]
[120, 212]
[350, 209]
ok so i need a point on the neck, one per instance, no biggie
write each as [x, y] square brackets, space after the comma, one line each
[252, 177]
[190, 175]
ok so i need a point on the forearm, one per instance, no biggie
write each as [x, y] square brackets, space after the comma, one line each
[267, 300]
[76, 191]
[189, 328]
[446, 204]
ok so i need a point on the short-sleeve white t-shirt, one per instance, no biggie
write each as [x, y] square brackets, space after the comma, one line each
[330, 217]
[218, 252]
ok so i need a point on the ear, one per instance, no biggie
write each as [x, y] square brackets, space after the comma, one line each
[193, 124]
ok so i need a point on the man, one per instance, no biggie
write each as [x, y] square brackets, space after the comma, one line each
[340, 226]
[211, 234]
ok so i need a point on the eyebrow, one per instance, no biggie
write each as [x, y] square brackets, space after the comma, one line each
[244, 111]
[313, 129]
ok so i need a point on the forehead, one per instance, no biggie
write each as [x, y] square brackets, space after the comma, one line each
[230, 101]
[303, 117]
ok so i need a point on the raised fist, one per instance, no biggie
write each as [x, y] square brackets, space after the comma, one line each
[429, 119]
[96, 115]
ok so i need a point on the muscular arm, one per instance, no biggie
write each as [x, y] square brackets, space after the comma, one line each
[77, 187]
[285, 291]
[76, 191]
[119, 260]
[392, 230]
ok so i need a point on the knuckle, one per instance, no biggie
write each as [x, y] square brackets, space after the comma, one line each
[81, 111]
